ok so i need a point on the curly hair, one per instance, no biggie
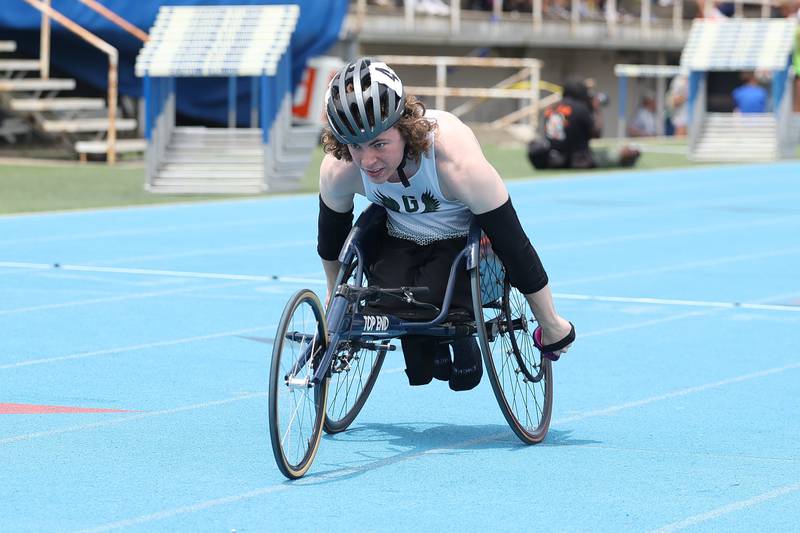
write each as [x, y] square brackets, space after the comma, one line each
[413, 126]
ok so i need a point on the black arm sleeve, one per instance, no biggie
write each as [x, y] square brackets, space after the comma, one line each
[512, 246]
[332, 230]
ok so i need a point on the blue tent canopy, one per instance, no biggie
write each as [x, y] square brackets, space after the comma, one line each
[203, 99]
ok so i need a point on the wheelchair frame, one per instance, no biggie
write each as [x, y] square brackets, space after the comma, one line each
[345, 324]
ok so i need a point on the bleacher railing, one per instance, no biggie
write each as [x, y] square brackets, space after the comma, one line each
[45, 7]
[48, 13]
[611, 16]
[524, 85]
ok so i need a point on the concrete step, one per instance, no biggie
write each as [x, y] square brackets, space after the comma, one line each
[170, 161]
[741, 132]
[36, 84]
[101, 147]
[56, 104]
[188, 152]
[87, 125]
[170, 187]
[178, 158]
[223, 170]
[211, 174]
[8, 46]
[722, 155]
[217, 132]
[179, 144]
[18, 65]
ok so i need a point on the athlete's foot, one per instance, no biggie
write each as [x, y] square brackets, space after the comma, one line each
[442, 364]
[467, 366]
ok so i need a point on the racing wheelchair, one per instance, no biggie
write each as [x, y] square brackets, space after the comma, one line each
[325, 362]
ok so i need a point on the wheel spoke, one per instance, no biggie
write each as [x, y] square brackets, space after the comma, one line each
[520, 379]
[295, 408]
[358, 368]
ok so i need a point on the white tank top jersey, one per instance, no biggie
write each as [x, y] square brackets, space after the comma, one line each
[420, 213]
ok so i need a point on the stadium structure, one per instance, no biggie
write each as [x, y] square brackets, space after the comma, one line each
[234, 90]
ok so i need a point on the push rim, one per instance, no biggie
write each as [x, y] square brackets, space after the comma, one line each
[511, 359]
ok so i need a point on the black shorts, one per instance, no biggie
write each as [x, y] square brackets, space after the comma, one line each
[402, 263]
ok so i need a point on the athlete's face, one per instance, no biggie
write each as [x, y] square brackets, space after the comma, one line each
[380, 157]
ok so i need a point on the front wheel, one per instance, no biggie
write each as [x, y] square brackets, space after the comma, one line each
[521, 379]
[296, 404]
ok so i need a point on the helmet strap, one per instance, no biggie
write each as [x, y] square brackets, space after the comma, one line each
[401, 173]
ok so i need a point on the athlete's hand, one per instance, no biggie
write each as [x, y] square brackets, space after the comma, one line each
[555, 331]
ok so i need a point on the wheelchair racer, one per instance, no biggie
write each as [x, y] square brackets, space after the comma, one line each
[427, 169]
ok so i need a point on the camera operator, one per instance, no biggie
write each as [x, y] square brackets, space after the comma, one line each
[569, 126]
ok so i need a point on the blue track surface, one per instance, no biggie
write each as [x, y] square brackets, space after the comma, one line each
[674, 409]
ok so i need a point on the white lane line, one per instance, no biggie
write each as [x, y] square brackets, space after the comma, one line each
[158, 272]
[158, 230]
[121, 298]
[208, 252]
[654, 235]
[349, 471]
[636, 206]
[682, 266]
[728, 509]
[186, 510]
[614, 409]
[682, 303]
[135, 347]
[318, 281]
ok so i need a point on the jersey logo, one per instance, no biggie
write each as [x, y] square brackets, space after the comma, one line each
[388, 203]
[411, 204]
[431, 203]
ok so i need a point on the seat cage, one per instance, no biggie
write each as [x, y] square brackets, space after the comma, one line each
[344, 325]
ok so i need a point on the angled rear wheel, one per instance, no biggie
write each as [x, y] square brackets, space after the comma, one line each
[521, 379]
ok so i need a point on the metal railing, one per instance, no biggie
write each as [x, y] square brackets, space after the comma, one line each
[116, 19]
[537, 15]
[48, 13]
[524, 85]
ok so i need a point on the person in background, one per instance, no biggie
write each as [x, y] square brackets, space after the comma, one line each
[677, 104]
[569, 125]
[644, 123]
[750, 97]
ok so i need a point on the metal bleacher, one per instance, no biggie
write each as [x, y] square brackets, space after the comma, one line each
[232, 42]
[759, 45]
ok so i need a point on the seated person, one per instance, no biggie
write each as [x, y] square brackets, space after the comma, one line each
[427, 169]
[569, 125]
[678, 104]
[750, 97]
[644, 121]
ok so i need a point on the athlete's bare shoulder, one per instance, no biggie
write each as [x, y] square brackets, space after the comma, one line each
[339, 181]
[464, 173]
[453, 138]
